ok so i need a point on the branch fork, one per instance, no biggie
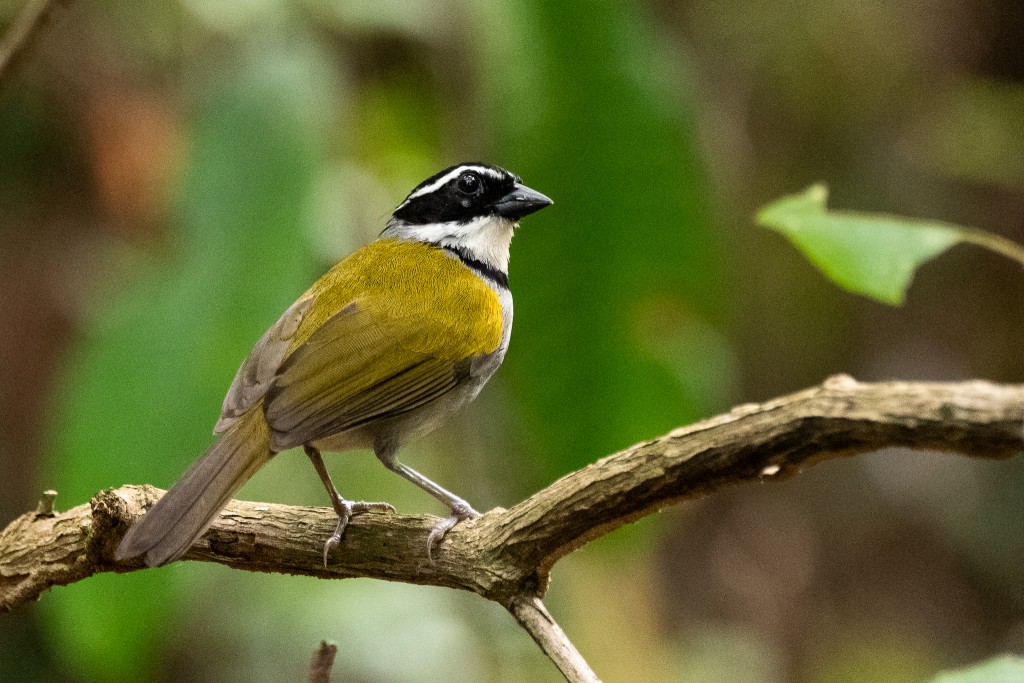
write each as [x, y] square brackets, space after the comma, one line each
[507, 555]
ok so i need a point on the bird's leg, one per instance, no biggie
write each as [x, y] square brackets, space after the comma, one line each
[343, 508]
[461, 510]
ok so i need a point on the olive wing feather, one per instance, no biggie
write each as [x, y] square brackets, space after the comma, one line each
[258, 370]
[358, 367]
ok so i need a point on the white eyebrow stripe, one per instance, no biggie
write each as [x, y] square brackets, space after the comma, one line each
[447, 177]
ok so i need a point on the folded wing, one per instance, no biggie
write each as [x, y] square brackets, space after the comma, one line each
[356, 368]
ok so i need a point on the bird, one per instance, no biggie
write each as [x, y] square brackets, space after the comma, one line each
[383, 348]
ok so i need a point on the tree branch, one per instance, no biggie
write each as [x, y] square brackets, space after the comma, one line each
[507, 555]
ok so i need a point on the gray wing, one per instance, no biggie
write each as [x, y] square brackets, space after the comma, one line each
[257, 373]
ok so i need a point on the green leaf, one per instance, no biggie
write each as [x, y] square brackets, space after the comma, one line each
[1007, 669]
[871, 254]
[625, 272]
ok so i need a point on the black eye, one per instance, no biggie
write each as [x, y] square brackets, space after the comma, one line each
[468, 183]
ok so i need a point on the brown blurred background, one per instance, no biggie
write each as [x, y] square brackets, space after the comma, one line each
[173, 175]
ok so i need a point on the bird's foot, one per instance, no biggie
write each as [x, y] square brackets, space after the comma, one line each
[347, 509]
[461, 511]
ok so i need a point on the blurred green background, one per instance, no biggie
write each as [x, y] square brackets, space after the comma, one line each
[172, 175]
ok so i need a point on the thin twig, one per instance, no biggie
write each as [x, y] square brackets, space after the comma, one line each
[323, 662]
[22, 31]
[531, 614]
[996, 243]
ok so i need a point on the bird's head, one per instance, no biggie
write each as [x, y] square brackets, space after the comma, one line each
[471, 207]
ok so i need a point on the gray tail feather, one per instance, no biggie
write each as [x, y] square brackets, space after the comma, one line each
[178, 519]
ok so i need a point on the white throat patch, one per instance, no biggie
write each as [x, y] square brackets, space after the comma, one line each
[486, 238]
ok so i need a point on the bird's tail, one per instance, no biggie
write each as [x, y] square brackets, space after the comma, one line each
[171, 526]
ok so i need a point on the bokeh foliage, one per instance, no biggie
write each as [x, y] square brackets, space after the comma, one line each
[158, 352]
[641, 267]
[174, 175]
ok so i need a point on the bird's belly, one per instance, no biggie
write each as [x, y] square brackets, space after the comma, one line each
[410, 425]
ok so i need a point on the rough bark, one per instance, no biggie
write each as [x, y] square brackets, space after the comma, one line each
[507, 555]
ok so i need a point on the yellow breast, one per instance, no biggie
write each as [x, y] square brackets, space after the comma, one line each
[402, 282]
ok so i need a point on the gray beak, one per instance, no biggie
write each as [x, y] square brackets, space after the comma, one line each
[520, 201]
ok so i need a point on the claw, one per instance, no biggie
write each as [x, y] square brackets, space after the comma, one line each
[333, 541]
[345, 516]
[461, 511]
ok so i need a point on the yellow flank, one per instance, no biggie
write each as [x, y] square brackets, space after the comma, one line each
[460, 315]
